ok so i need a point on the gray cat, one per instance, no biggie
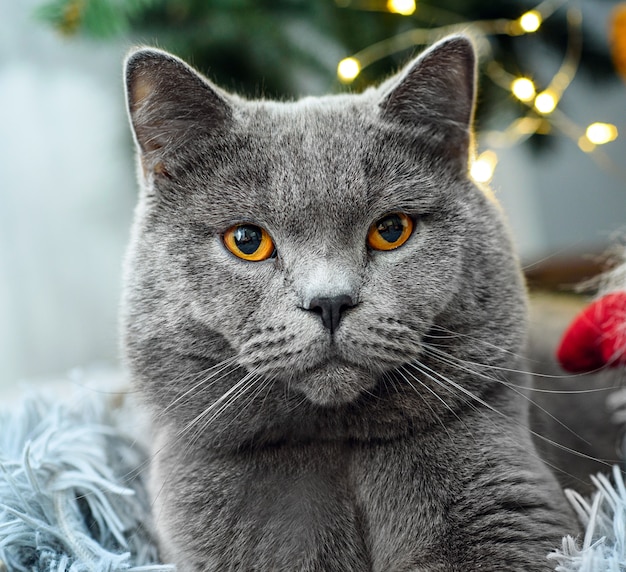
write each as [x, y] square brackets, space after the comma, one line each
[320, 313]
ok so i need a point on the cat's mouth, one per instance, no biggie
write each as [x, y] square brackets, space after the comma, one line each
[333, 382]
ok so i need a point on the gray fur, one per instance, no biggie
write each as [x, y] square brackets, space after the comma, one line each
[367, 450]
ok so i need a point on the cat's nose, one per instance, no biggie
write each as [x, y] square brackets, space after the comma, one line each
[331, 309]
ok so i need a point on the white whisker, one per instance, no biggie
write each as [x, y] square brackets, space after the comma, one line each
[435, 348]
[218, 402]
[450, 360]
[403, 370]
[482, 402]
[192, 390]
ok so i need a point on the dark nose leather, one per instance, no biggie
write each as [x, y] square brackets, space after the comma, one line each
[331, 309]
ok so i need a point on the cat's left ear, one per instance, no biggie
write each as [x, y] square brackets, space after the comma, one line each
[170, 105]
[436, 92]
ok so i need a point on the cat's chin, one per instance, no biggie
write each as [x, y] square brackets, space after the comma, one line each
[334, 384]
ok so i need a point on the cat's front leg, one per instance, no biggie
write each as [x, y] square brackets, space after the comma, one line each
[283, 508]
[473, 497]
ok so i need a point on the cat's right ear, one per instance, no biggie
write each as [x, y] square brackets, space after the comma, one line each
[169, 104]
[437, 93]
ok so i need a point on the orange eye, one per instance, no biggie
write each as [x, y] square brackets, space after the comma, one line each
[390, 232]
[249, 242]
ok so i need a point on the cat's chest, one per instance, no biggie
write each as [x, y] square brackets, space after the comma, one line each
[317, 507]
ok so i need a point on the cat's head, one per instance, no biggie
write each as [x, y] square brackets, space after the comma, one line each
[317, 246]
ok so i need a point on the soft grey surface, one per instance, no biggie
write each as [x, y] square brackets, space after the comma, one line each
[395, 443]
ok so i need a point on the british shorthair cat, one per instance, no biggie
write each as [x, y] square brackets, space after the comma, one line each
[323, 315]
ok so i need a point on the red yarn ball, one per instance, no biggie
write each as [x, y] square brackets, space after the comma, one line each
[597, 336]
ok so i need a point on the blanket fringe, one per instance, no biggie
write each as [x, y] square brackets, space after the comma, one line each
[603, 547]
[72, 496]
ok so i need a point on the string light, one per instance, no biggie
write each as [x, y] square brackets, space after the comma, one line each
[348, 69]
[72, 15]
[523, 88]
[542, 115]
[530, 21]
[483, 167]
[404, 7]
[546, 102]
[601, 133]
[585, 145]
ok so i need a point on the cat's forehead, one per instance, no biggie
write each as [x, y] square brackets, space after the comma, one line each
[324, 159]
[321, 134]
[295, 161]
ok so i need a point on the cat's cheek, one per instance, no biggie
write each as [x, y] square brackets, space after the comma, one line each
[226, 286]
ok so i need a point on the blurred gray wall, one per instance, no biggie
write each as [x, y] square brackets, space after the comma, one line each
[66, 194]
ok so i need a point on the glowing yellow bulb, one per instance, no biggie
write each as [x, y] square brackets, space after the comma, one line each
[545, 102]
[523, 89]
[585, 145]
[601, 133]
[404, 7]
[530, 21]
[483, 167]
[348, 69]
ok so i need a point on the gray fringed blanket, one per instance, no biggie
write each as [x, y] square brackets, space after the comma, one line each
[72, 494]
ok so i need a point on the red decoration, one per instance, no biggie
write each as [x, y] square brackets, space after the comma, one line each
[596, 337]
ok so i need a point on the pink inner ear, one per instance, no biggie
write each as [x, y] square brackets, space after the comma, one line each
[596, 337]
